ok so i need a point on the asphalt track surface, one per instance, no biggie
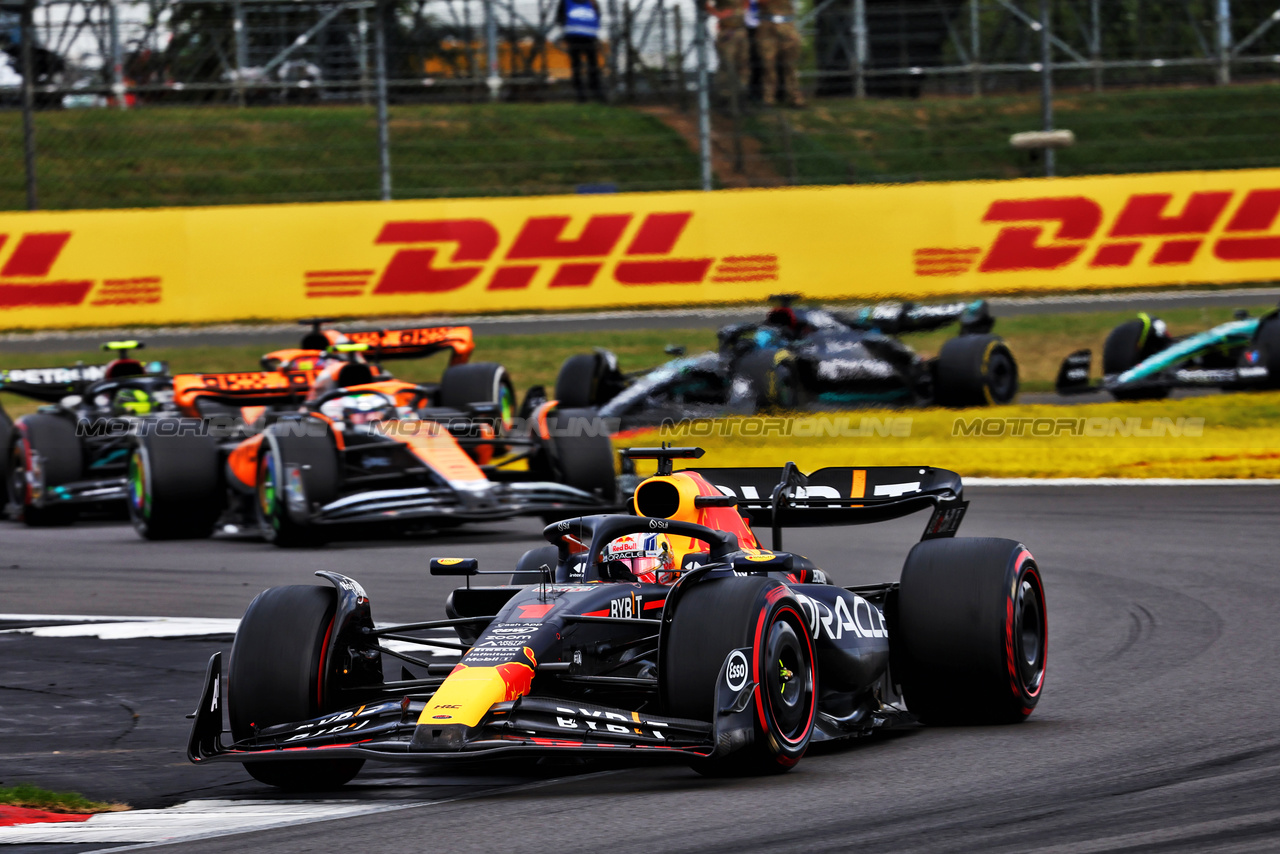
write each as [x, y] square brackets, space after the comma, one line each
[1157, 731]
[286, 335]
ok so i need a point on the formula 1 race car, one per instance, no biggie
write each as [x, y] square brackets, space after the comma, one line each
[363, 451]
[666, 634]
[72, 453]
[1142, 361]
[802, 358]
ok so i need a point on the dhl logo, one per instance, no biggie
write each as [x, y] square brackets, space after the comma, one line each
[420, 266]
[27, 281]
[1054, 233]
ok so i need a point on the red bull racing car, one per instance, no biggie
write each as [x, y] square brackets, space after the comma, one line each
[670, 633]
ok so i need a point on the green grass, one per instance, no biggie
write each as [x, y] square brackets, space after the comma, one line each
[27, 795]
[941, 139]
[161, 156]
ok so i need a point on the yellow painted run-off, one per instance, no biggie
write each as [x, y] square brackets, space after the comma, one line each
[1219, 436]
[196, 265]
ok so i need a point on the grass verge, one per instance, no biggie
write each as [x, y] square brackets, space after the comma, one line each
[1230, 435]
[33, 797]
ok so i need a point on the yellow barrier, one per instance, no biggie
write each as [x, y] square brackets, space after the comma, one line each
[669, 249]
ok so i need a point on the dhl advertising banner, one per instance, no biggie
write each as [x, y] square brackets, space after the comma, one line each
[662, 249]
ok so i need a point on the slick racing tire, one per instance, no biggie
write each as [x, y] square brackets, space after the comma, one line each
[975, 370]
[580, 381]
[711, 620]
[6, 439]
[969, 633]
[1266, 343]
[1127, 345]
[773, 378]
[277, 675]
[480, 382]
[581, 458]
[51, 440]
[314, 458]
[175, 489]
[528, 568]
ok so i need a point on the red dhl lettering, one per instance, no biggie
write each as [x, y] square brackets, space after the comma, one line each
[1054, 233]
[465, 252]
[27, 281]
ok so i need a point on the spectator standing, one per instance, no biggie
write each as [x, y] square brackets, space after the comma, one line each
[731, 45]
[580, 20]
[780, 51]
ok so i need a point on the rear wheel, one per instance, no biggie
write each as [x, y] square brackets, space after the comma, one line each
[480, 382]
[278, 675]
[6, 439]
[175, 489]
[774, 379]
[297, 475]
[975, 370]
[579, 453]
[1127, 345]
[45, 453]
[712, 619]
[970, 631]
[580, 381]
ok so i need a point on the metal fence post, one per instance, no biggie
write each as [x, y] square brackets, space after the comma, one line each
[704, 97]
[1046, 82]
[380, 69]
[362, 33]
[117, 56]
[1224, 42]
[1095, 43]
[28, 102]
[241, 35]
[494, 79]
[975, 45]
[860, 48]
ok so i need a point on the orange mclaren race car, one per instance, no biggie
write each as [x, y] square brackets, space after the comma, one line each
[363, 449]
[671, 633]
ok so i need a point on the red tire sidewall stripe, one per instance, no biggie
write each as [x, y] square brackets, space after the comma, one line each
[324, 650]
[1011, 657]
[755, 673]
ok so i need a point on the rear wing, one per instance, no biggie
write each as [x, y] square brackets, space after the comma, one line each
[894, 318]
[787, 498]
[50, 384]
[244, 388]
[416, 343]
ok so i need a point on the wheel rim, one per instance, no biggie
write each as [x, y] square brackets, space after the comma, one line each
[507, 408]
[139, 498]
[788, 681]
[784, 387]
[267, 488]
[1001, 377]
[17, 485]
[1029, 632]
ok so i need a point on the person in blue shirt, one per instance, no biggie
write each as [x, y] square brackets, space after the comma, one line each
[580, 20]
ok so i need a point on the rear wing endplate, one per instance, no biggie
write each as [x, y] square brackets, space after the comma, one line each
[785, 497]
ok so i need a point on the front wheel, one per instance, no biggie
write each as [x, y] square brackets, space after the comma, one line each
[969, 635]
[1127, 346]
[175, 487]
[45, 453]
[717, 617]
[975, 370]
[298, 473]
[278, 674]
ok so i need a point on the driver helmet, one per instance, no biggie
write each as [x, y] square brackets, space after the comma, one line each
[131, 401]
[648, 557]
[359, 409]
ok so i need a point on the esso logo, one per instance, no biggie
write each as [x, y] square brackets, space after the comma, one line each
[736, 673]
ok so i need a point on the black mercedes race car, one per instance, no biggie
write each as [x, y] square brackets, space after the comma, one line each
[806, 358]
[72, 454]
[1142, 361]
[671, 633]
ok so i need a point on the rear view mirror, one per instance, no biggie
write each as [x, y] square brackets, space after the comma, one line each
[454, 566]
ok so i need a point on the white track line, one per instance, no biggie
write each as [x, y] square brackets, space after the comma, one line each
[191, 820]
[1117, 481]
